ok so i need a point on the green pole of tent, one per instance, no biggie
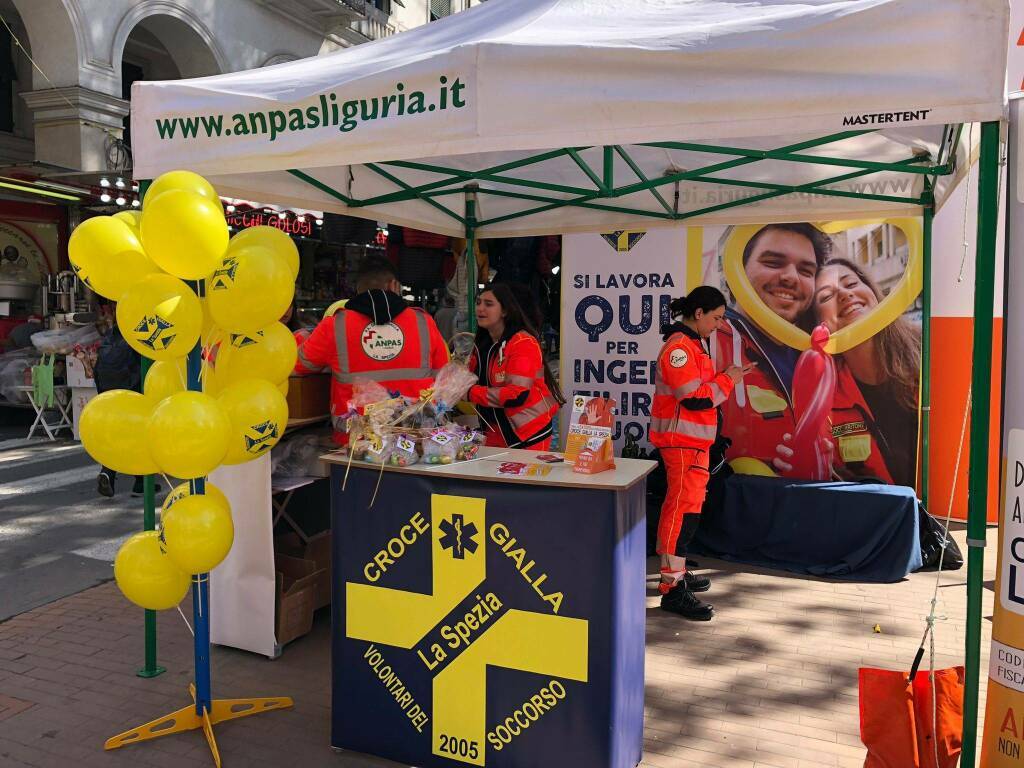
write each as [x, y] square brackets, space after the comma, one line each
[928, 200]
[471, 260]
[981, 388]
[150, 667]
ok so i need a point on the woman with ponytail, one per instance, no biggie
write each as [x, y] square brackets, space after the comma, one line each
[684, 425]
[517, 397]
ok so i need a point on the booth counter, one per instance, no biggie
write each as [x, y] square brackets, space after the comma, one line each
[486, 618]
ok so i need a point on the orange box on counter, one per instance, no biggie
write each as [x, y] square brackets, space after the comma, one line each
[309, 397]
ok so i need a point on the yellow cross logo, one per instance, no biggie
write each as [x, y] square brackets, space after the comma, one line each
[540, 643]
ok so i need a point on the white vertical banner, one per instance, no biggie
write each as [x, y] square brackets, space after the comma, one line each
[616, 290]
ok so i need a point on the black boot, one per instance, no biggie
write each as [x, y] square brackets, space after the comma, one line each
[105, 484]
[682, 601]
[696, 583]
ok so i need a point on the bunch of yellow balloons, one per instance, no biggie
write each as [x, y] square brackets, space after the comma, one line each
[142, 260]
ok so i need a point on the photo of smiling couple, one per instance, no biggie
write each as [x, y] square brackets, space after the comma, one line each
[806, 278]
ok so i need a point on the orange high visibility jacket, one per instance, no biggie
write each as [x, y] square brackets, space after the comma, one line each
[512, 392]
[855, 434]
[687, 393]
[402, 351]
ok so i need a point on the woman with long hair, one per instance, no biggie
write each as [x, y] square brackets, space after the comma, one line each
[517, 397]
[874, 415]
[684, 424]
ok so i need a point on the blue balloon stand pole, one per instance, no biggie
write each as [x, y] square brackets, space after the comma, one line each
[206, 711]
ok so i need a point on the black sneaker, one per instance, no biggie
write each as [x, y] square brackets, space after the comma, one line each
[696, 583]
[105, 485]
[683, 602]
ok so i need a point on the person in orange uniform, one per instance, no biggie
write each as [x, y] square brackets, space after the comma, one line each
[517, 397]
[376, 337]
[684, 425]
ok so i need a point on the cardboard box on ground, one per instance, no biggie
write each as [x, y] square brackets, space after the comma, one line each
[303, 582]
[309, 397]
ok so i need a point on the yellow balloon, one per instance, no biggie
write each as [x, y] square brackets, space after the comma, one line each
[745, 465]
[207, 331]
[188, 435]
[160, 317]
[212, 492]
[899, 299]
[186, 180]
[147, 576]
[134, 221]
[251, 289]
[164, 378]
[184, 233]
[283, 388]
[268, 354]
[113, 430]
[197, 533]
[272, 238]
[107, 255]
[258, 413]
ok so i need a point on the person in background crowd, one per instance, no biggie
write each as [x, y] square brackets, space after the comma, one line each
[876, 400]
[293, 321]
[684, 425]
[517, 397]
[118, 366]
[376, 337]
[781, 262]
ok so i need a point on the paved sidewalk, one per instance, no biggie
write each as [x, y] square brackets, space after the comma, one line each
[771, 681]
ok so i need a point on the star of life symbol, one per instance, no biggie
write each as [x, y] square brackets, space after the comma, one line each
[152, 332]
[458, 536]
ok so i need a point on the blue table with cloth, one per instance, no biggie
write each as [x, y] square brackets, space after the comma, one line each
[849, 531]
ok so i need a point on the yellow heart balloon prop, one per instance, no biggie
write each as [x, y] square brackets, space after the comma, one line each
[165, 378]
[197, 533]
[134, 221]
[186, 180]
[268, 354]
[106, 253]
[212, 492]
[184, 233]
[258, 413]
[744, 465]
[160, 317]
[147, 576]
[252, 288]
[113, 430]
[272, 238]
[891, 307]
[188, 434]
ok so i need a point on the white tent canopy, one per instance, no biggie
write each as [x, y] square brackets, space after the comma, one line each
[570, 96]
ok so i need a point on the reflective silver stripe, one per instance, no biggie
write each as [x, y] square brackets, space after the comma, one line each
[421, 328]
[493, 398]
[341, 343]
[661, 388]
[685, 389]
[685, 428]
[388, 374]
[535, 411]
[718, 395]
[305, 361]
[520, 381]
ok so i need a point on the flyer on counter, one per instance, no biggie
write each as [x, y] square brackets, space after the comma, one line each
[589, 445]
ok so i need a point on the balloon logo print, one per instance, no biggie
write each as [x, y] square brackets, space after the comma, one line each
[155, 333]
[262, 436]
[224, 276]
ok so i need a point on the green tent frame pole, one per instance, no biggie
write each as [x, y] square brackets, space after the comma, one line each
[928, 203]
[471, 259]
[150, 667]
[981, 390]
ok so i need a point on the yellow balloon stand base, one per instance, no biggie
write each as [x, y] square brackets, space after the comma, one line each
[186, 719]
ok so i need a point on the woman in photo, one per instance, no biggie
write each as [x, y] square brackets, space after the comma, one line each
[875, 411]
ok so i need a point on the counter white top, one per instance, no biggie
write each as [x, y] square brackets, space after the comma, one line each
[484, 468]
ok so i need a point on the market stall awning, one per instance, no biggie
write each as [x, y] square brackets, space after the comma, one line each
[579, 115]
